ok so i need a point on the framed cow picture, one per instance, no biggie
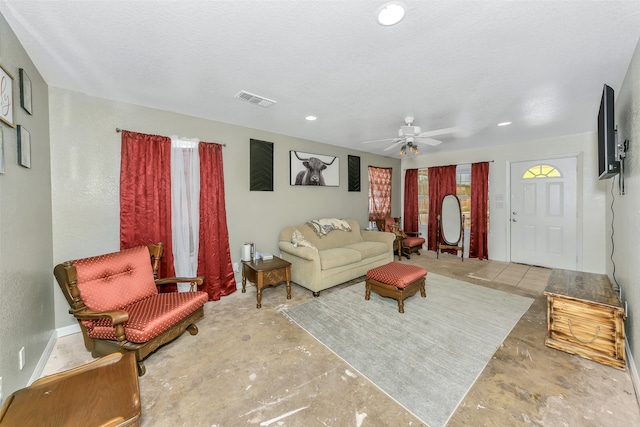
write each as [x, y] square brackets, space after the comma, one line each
[314, 169]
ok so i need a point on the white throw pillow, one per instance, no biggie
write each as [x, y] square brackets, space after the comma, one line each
[298, 239]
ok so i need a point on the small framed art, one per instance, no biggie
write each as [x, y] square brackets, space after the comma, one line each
[24, 147]
[25, 92]
[6, 97]
[1, 153]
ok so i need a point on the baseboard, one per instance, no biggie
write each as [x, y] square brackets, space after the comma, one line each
[635, 380]
[44, 357]
[68, 330]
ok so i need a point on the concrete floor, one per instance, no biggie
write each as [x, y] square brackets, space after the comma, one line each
[254, 367]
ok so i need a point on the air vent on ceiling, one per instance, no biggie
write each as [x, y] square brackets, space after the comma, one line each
[255, 99]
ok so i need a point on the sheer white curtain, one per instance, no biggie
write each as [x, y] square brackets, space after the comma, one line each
[185, 206]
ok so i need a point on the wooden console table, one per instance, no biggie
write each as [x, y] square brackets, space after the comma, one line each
[101, 393]
[585, 317]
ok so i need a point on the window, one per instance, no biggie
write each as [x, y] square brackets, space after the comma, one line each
[379, 193]
[463, 191]
[542, 171]
[423, 197]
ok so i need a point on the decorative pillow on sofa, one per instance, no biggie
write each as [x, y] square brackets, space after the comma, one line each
[395, 229]
[298, 239]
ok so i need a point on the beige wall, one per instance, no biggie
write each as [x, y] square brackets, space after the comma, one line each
[86, 165]
[626, 221]
[26, 294]
[591, 192]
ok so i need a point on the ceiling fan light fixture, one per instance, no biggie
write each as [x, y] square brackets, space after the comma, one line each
[390, 13]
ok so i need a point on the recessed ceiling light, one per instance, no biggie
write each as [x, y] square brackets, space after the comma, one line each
[504, 124]
[311, 118]
[390, 13]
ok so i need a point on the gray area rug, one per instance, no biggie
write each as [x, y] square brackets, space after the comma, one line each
[427, 358]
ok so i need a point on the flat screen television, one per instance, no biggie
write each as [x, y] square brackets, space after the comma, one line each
[608, 162]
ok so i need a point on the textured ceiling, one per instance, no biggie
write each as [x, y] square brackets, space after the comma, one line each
[469, 64]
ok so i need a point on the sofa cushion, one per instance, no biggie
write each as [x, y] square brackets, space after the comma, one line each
[369, 249]
[337, 257]
[116, 280]
[150, 317]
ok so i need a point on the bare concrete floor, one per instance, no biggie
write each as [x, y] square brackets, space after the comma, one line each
[254, 367]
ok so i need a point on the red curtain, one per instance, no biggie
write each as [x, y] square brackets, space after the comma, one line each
[214, 255]
[442, 181]
[479, 197]
[379, 193]
[411, 200]
[145, 194]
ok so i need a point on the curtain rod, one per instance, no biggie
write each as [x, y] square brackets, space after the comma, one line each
[118, 130]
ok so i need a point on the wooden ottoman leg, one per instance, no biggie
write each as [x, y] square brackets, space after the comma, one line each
[400, 305]
[367, 293]
[423, 292]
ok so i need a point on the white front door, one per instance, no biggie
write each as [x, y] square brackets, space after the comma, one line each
[543, 213]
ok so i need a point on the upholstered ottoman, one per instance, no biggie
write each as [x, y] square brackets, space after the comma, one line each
[397, 281]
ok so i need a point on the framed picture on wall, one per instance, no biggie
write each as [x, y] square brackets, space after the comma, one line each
[314, 169]
[353, 167]
[1, 152]
[25, 92]
[24, 147]
[6, 97]
[260, 165]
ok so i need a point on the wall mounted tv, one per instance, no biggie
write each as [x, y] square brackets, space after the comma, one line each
[608, 161]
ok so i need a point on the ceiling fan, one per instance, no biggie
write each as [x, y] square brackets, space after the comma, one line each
[409, 135]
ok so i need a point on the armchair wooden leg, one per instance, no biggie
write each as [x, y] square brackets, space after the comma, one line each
[193, 329]
[141, 368]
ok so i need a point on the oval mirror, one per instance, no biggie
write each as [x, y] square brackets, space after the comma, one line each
[451, 219]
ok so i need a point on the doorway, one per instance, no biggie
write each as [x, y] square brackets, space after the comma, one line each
[543, 215]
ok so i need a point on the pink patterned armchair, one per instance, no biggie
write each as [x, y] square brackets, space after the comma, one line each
[116, 301]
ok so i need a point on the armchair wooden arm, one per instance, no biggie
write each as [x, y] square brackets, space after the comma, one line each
[193, 281]
[117, 317]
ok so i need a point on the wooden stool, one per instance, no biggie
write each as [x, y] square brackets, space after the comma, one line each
[397, 281]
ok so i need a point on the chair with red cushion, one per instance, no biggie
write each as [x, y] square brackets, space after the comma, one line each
[116, 301]
[407, 242]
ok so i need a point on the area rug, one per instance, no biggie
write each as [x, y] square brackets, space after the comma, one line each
[425, 359]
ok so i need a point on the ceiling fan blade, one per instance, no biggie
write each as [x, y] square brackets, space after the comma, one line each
[439, 132]
[394, 145]
[379, 140]
[427, 141]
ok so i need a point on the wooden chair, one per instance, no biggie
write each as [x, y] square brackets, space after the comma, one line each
[102, 393]
[116, 301]
[407, 242]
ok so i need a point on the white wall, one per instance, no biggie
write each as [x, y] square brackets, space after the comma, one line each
[591, 192]
[26, 294]
[626, 221]
[85, 156]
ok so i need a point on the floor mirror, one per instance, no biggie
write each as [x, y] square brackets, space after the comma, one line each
[450, 226]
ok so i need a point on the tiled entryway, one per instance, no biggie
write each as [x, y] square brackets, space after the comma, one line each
[519, 275]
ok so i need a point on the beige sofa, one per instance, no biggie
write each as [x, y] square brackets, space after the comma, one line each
[336, 257]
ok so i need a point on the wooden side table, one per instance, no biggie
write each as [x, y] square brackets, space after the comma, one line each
[101, 393]
[266, 273]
